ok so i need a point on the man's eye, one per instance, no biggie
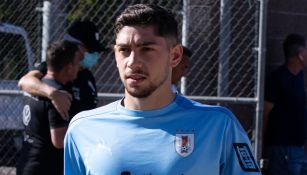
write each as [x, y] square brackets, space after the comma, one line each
[124, 49]
[147, 49]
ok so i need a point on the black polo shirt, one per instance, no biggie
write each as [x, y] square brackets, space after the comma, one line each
[83, 89]
[38, 155]
[287, 119]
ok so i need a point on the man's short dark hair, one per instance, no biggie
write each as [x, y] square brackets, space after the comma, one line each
[293, 44]
[161, 19]
[59, 54]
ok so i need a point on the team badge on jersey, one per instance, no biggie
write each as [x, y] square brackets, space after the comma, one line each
[245, 157]
[184, 144]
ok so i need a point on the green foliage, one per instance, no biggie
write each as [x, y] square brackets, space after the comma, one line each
[80, 9]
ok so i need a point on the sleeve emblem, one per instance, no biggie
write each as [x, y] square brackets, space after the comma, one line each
[245, 157]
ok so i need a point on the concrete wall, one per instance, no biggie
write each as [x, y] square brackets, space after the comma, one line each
[284, 17]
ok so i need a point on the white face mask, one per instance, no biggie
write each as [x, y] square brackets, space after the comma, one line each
[90, 59]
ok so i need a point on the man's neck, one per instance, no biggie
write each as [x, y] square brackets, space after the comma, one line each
[294, 66]
[157, 100]
[57, 76]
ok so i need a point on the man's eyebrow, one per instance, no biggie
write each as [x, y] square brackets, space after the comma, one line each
[142, 44]
[122, 45]
[146, 43]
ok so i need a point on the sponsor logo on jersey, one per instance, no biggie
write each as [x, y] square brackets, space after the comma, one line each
[245, 157]
[26, 115]
[184, 144]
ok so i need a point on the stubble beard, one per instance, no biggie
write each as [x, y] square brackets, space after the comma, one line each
[141, 92]
[146, 91]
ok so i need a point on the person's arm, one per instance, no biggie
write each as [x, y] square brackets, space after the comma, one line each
[58, 127]
[32, 84]
[272, 93]
[268, 106]
[237, 153]
[57, 136]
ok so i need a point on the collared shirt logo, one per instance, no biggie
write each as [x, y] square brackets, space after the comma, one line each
[26, 115]
[76, 92]
[184, 144]
[97, 36]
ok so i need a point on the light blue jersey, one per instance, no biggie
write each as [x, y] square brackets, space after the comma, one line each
[184, 138]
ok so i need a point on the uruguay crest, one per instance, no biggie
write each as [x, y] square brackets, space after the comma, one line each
[184, 144]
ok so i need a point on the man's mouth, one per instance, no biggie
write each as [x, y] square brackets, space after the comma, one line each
[135, 78]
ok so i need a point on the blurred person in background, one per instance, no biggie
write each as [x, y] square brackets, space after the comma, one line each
[285, 110]
[42, 149]
[82, 91]
[181, 69]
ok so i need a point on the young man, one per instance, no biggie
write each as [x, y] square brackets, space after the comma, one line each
[42, 150]
[180, 70]
[153, 130]
[83, 89]
[285, 110]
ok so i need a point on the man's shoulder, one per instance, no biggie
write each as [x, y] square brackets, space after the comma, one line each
[42, 67]
[212, 110]
[97, 112]
[53, 82]
[84, 76]
[192, 104]
[85, 73]
[218, 114]
[279, 72]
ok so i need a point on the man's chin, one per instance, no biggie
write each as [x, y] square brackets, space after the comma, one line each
[139, 94]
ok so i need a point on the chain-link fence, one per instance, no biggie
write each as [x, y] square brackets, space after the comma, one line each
[222, 34]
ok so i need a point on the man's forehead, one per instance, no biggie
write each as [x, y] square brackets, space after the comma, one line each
[137, 43]
[138, 36]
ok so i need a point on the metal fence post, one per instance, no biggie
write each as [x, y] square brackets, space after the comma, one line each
[224, 43]
[46, 26]
[184, 39]
[261, 77]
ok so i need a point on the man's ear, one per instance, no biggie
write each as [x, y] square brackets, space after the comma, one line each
[301, 57]
[68, 67]
[176, 55]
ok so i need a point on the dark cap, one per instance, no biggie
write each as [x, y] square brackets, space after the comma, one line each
[87, 33]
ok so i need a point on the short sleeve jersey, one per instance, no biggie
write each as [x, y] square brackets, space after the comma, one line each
[38, 155]
[183, 138]
[83, 90]
[287, 119]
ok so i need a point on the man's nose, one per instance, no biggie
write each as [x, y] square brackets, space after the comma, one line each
[134, 60]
